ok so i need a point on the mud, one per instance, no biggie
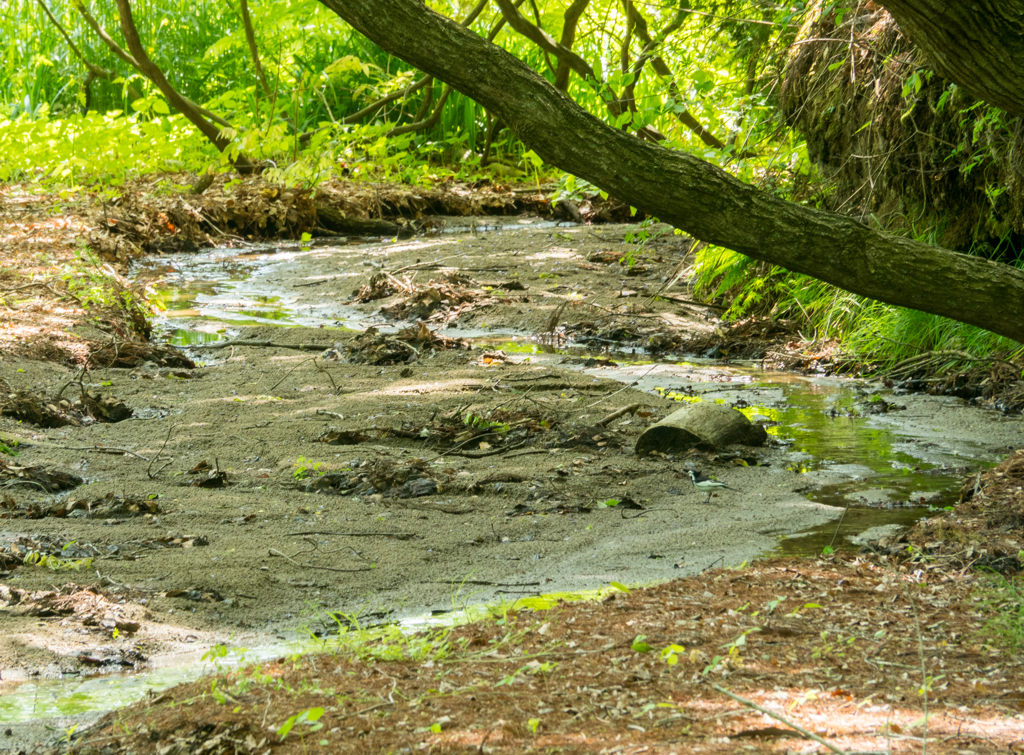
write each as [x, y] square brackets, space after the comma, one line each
[252, 525]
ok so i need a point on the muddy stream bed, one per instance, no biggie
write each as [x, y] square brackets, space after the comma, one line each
[226, 530]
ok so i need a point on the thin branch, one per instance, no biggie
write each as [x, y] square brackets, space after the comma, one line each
[127, 58]
[250, 37]
[95, 71]
[661, 68]
[546, 42]
[266, 344]
[618, 413]
[780, 719]
[154, 476]
[373, 107]
[274, 552]
[430, 122]
[287, 375]
[97, 449]
[571, 19]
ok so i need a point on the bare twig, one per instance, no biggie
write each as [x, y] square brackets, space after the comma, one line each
[482, 454]
[77, 379]
[396, 535]
[777, 717]
[325, 371]
[623, 388]
[153, 476]
[265, 344]
[98, 449]
[839, 524]
[274, 552]
[288, 375]
[421, 264]
[618, 413]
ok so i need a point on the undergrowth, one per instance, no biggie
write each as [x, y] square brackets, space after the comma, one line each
[873, 336]
[1004, 599]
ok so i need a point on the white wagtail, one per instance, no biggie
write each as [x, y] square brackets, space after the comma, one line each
[706, 484]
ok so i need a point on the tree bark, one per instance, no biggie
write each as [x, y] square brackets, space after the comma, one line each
[571, 19]
[977, 44]
[254, 51]
[689, 193]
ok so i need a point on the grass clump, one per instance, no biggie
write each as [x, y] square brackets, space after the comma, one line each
[1004, 599]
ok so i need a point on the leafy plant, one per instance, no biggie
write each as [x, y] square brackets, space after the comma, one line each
[56, 563]
[308, 718]
[304, 468]
[485, 423]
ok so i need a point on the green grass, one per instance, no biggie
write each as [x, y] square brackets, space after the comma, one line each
[1005, 601]
[873, 335]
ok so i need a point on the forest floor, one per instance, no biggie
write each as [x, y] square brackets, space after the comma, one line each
[185, 501]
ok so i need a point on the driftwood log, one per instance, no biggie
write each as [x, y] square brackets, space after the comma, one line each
[703, 424]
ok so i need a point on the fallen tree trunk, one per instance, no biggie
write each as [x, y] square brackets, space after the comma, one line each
[335, 221]
[687, 192]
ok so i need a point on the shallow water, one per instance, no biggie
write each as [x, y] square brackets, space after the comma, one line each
[825, 422]
[79, 701]
[882, 469]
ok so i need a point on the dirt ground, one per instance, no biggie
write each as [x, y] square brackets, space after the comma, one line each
[271, 490]
[861, 655]
[304, 476]
[906, 652]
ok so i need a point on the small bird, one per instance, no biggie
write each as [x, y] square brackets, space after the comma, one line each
[706, 484]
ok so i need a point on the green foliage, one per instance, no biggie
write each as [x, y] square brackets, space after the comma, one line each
[307, 718]
[109, 148]
[872, 333]
[303, 468]
[55, 563]
[640, 644]
[671, 653]
[650, 230]
[389, 643]
[318, 72]
[1004, 601]
[481, 422]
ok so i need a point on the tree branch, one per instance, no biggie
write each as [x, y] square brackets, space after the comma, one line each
[250, 37]
[119, 52]
[94, 70]
[571, 19]
[184, 106]
[689, 193]
[416, 85]
[661, 68]
[544, 41]
[429, 122]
